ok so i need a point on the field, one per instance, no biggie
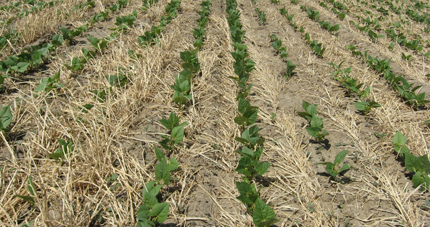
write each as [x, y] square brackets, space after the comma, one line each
[276, 113]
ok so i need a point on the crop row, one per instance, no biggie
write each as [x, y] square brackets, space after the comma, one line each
[417, 165]
[152, 211]
[252, 143]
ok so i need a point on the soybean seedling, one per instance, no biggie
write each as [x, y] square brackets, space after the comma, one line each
[333, 168]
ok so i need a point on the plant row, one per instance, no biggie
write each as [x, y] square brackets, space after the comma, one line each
[315, 46]
[33, 57]
[314, 15]
[151, 37]
[252, 143]
[191, 65]
[406, 90]
[151, 211]
[419, 166]
[282, 52]
[364, 105]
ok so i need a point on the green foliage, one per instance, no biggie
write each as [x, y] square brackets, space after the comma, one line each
[366, 107]
[317, 48]
[261, 15]
[406, 57]
[127, 20]
[98, 44]
[101, 16]
[50, 83]
[418, 165]
[251, 138]
[66, 148]
[119, 80]
[248, 113]
[326, 25]
[290, 69]
[150, 37]
[31, 188]
[242, 65]
[263, 215]
[5, 118]
[315, 128]
[148, 3]
[249, 164]
[70, 34]
[76, 64]
[162, 169]
[314, 15]
[333, 168]
[29, 59]
[191, 61]
[176, 132]
[151, 211]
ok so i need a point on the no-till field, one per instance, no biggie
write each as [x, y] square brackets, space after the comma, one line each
[116, 137]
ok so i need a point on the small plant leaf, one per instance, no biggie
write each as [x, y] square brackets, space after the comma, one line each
[160, 211]
[340, 157]
[263, 214]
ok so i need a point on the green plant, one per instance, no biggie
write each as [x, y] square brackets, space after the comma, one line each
[50, 83]
[290, 69]
[119, 80]
[249, 164]
[151, 211]
[326, 25]
[261, 15]
[406, 57]
[333, 168]
[419, 165]
[313, 14]
[162, 169]
[191, 61]
[127, 20]
[98, 44]
[70, 34]
[5, 118]
[317, 48]
[294, 2]
[248, 113]
[176, 132]
[250, 137]
[316, 125]
[76, 64]
[31, 188]
[66, 148]
[366, 107]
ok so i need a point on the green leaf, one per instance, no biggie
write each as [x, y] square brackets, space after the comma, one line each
[245, 164]
[399, 140]
[421, 179]
[361, 106]
[340, 157]
[262, 167]
[263, 214]
[417, 163]
[240, 120]
[160, 211]
[330, 168]
[162, 172]
[178, 133]
[26, 198]
[248, 194]
[5, 118]
[23, 66]
[159, 154]
[173, 165]
[31, 187]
